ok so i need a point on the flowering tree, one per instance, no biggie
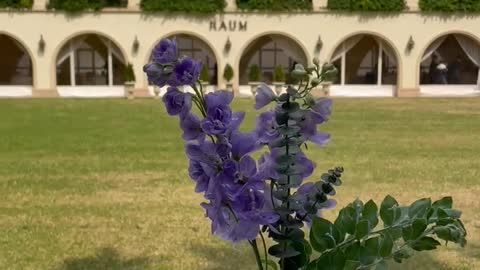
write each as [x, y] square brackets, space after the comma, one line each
[248, 199]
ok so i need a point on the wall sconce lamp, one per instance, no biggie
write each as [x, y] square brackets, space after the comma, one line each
[228, 45]
[410, 43]
[41, 44]
[319, 44]
[135, 45]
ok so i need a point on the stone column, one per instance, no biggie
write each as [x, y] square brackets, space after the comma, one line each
[408, 86]
[413, 5]
[319, 5]
[231, 5]
[133, 4]
[40, 4]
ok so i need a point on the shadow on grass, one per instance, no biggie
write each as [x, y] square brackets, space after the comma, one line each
[224, 257]
[105, 259]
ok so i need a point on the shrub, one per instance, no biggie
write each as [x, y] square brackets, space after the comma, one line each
[367, 5]
[254, 74]
[189, 6]
[228, 73]
[82, 5]
[279, 75]
[129, 75]
[450, 5]
[277, 5]
[16, 4]
[204, 76]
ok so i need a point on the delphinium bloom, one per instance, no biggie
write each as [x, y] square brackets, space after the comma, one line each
[218, 153]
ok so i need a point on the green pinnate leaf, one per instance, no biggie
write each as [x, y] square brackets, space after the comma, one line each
[388, 211]
[372, 247]
[386, 245]
[324, 235]
[331, 261]
[362, 229]
[425, 243]
[346, 220]
[419, 208]
[370, 212]
[444, 203]
[418, 227]
[280, 251]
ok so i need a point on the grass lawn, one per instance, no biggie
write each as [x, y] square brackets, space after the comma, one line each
[103, 184]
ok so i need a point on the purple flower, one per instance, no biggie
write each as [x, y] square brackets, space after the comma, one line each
[304, 166]
[186, 72]
[201, 174]
[165, 52]
[158, 74]
[218, 98]
[190, 124]
[321, 111]
[177, 102]
[220, 119]
[243, 143]
[266, 167]
[217, 120]
[308, 128]
[264, 96]
[266, 127]
[242, 220]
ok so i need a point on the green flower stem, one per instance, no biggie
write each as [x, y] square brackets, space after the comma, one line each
[264, 250]
[353, 240]
[202, 106]
[253, 243]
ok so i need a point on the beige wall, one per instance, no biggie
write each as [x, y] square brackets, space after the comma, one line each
[304, 28]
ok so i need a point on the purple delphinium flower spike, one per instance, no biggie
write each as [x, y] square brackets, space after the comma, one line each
[308, 128]
[176, 102]
[158, 74]
[186, 72]
[165, 52]
[266, 127]
[321, 111]
[190, 124]
[264, 96]
[219, 114]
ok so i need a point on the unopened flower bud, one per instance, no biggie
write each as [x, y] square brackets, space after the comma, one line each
[316, 61]
[315, 82]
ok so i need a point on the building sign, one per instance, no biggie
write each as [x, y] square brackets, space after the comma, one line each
[228, 26]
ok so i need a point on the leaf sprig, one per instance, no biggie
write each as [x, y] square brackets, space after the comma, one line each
[353, 241]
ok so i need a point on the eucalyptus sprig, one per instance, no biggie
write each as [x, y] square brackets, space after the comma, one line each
[355, 241]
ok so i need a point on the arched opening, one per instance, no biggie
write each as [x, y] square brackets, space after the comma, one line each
[16, 72]
[450, 66]
[197, 49]
[269, 52]
[92, 64]
[368, 66]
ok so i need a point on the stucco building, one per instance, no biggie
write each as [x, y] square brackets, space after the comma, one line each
[47, 54]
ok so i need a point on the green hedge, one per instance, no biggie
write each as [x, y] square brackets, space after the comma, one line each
[450, 5]
[189, 6]
[82, 5]
[367, 5]
[18, 4]
[275, 5]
